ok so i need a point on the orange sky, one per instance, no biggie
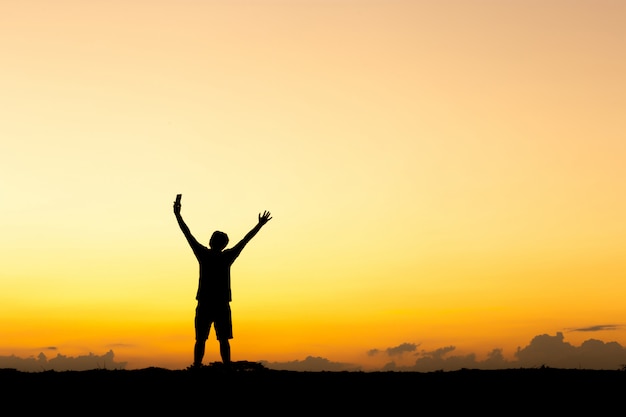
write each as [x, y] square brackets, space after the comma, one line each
[440, 174]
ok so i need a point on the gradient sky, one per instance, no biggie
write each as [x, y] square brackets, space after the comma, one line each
[440, 173]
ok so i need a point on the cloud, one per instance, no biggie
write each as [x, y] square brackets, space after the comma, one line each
[394, 351]
[553, 351]
[597, 328]
[437, 360]
[439, 352]
[373, 352]
[311, 363]
[61, 362]
[400, 349]
[543, 350]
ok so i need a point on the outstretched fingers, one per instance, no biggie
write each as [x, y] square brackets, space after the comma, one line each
[265, 217]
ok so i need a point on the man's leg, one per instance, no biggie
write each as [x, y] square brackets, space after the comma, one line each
[202, 325]
[225, 351]
[198, 352]
[224, 332]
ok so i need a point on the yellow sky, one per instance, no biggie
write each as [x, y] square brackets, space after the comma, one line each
[439, 173]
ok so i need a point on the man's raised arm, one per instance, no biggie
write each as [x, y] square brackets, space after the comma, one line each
[183, 226]
[263, 219]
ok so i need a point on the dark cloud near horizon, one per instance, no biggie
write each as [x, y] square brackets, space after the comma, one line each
[61, 362]
[597, 328]
[543, 350]
[395, 351]
[373, 352]
[400, 349]
[438, 353]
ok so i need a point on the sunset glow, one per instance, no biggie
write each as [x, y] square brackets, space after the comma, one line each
[439, 174]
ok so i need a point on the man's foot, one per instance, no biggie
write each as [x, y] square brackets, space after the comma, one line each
[194, 366]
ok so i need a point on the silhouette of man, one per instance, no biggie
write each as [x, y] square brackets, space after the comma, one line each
[214, 295]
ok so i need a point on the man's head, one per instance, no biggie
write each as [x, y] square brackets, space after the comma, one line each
[219, 240]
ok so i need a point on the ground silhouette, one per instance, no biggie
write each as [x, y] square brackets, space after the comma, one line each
[251, 387]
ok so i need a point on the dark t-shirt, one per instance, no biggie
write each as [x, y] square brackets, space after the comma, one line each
[214, 280]
[214, 277]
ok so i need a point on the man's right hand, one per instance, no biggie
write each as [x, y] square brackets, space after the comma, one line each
[265, 217]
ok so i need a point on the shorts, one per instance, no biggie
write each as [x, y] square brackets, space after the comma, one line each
[219, 316]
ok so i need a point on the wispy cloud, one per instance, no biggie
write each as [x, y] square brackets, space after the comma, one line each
[596, 328]
[120, 345]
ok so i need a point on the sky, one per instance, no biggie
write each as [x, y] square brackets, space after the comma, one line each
[446, 181]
